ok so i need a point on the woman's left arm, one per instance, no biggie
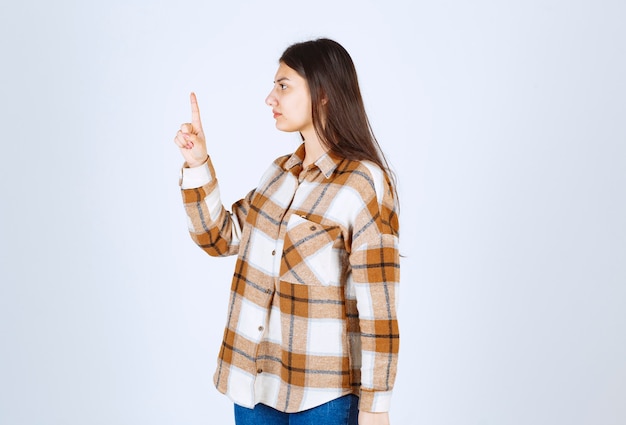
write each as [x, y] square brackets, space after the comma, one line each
[375, 264]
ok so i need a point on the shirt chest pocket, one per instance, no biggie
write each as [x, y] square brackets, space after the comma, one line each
[310, 256]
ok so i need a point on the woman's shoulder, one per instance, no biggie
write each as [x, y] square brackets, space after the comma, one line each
[372, 183]
[367, 178]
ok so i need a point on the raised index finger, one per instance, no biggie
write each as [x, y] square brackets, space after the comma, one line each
[195, 113]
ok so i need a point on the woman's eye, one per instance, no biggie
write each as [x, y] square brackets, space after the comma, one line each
[283, 86]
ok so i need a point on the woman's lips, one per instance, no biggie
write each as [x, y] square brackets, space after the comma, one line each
[276, 114]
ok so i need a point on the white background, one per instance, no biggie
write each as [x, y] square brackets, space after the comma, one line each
[504, 120]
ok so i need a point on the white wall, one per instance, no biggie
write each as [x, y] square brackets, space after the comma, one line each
[505, 124]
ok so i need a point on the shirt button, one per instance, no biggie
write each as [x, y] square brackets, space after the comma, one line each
[261, 328]
[312, 227]
[274, 252]
[259, 370]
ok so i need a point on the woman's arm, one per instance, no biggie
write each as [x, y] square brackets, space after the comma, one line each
[214, 229]
[375, 265]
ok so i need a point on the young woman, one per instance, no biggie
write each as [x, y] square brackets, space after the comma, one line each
[311, 334]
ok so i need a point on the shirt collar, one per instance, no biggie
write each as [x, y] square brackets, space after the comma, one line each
[326, 163]
[296, 158]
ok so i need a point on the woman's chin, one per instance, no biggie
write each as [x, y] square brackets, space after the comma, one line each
[285, 128]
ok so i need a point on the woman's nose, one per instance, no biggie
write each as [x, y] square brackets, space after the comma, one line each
[270, 100]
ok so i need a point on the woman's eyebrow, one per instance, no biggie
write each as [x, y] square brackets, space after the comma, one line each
[281, 79]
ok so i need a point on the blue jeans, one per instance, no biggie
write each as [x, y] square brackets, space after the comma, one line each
[341, 411]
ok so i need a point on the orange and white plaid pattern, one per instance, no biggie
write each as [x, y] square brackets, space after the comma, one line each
[312, 311]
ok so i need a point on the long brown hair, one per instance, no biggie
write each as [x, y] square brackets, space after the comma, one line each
[339, 116]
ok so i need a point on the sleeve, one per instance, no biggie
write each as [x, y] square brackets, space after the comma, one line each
[375, 264]
[213, 228]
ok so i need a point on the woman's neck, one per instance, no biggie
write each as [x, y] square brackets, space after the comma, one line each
[313, 149]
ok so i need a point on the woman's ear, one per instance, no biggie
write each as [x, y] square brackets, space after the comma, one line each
[324, 98]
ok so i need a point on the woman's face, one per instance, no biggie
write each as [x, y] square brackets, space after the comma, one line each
[291, 101]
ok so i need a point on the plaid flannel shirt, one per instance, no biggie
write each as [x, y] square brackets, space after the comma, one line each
[312, 310]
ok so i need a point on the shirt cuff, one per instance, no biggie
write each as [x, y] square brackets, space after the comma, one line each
[375, 401]
[192, 178]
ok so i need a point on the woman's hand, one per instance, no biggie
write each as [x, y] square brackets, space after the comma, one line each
[190, 138]
[369, 418]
